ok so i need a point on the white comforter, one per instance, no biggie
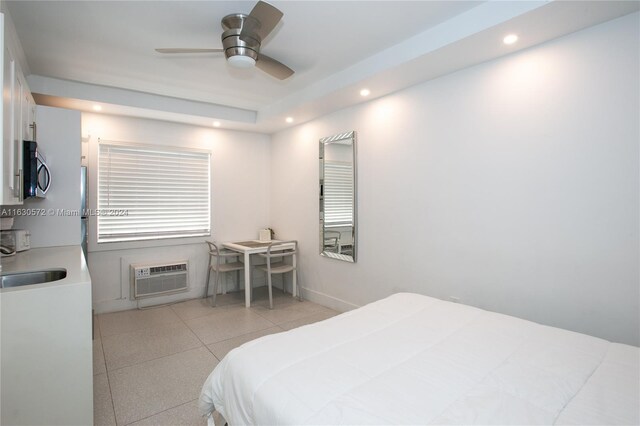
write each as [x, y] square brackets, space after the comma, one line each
[412, 359]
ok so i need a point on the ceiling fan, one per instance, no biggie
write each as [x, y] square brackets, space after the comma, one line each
[241, 40]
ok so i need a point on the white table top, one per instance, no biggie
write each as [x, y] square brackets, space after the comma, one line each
[252, 246]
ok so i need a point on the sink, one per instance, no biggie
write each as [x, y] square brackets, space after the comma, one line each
[36, 277]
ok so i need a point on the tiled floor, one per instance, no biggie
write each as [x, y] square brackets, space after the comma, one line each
[149, 365]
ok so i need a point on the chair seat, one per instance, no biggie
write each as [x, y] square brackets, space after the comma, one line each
[277, 268]
[227, 267]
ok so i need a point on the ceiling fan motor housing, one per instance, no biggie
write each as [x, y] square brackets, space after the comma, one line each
[231, 42]
[241, 40]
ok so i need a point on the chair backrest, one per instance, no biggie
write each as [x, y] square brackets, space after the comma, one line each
[329, 235]
[331, 240]
[282, 249]
[213, 249]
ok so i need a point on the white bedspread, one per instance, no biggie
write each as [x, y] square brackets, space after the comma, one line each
[412, 359]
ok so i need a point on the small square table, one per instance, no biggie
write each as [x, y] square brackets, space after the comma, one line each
[254, 247]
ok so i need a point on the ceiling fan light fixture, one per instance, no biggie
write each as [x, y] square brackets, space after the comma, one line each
[240, 61]
[242, 38]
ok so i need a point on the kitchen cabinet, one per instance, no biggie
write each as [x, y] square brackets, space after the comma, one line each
[18, 124]
[29, 116]
[59, 136]
[46, 354]
[5, 70]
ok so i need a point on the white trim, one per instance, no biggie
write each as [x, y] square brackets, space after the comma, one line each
[327, 301]
[106, 306]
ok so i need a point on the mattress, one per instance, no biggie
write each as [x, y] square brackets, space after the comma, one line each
[412, 359]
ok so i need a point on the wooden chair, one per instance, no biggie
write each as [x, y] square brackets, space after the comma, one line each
[215, 264]
[279, 267]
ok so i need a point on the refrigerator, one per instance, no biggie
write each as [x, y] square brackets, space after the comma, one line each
[84, 229]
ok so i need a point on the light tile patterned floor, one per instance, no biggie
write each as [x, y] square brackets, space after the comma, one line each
[149, 365]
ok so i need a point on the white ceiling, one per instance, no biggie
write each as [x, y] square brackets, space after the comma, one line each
[112, 43]
[82, 52]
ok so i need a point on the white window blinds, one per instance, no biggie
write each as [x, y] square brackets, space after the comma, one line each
[338, 193]
[147, 192]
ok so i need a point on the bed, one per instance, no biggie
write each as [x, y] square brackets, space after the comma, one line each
[412, 359]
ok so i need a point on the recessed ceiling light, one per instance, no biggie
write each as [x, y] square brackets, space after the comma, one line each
[216, 124]
[289, 119]
[365, 92]
[97, 108]
[510, 39]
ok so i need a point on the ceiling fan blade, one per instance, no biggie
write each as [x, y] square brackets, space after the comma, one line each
[186, 50]
[273, 67]
[266, 18]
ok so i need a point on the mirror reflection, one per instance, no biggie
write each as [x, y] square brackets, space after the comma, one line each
[338, 197]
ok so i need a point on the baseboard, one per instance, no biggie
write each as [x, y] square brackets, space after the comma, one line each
[328, 301]
[107, 306]
[314, 296]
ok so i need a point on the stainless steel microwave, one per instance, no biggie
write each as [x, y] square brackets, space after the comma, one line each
[37, 177]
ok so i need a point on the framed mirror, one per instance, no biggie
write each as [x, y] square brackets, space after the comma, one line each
[338, 215]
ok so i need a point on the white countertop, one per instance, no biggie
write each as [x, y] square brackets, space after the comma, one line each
[70, 258]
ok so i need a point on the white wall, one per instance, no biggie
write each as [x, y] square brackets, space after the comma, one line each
[59, 141]
[511, 185]
[240, 201]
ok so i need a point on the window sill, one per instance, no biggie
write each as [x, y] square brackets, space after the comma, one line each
[132, 245]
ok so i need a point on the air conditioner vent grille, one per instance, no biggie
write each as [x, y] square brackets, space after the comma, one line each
[168, 268]
[159, 279]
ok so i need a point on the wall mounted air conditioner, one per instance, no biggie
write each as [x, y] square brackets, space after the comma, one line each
[159, 279]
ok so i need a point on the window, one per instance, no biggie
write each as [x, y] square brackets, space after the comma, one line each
[147, 192]
[338, 193]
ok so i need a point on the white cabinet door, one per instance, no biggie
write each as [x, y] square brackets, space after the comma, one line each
[28, 115]
[25, 124]
[11, 95]
[4, 110]
[31, 122]
[18, 110]
[7, 119]
[18, 124]
[17, 132]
